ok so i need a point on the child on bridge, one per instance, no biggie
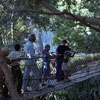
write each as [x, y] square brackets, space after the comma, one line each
[46, 71]
[67, 56]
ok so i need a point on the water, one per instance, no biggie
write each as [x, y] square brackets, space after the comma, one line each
[47, 38]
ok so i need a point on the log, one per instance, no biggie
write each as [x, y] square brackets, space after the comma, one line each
[8, 78]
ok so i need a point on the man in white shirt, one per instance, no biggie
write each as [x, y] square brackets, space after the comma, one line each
[30, 65]
[15, 67]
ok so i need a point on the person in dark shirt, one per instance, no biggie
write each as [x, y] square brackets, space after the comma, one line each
[60, 56]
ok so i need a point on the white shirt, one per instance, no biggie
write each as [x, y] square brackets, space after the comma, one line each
[30, 52]
[14, 55]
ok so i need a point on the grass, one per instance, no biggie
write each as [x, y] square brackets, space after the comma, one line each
[79, 62]
[76, 63]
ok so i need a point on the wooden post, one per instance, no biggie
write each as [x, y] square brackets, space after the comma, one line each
[8, 78]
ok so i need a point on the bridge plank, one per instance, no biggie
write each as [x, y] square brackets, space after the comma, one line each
[75, 78]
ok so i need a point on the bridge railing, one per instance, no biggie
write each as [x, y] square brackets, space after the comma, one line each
[76, 63]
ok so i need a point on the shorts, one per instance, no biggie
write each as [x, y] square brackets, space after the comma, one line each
[64, 66]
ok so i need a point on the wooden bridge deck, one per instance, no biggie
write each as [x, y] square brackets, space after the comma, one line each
[92, 70]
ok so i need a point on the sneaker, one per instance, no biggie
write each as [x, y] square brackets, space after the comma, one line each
[24, 91]
[40, 86]
[29, 88]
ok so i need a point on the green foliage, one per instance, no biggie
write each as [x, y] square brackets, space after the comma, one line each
[79, 62]
[79, 36]
[62, 28]
[87, 90]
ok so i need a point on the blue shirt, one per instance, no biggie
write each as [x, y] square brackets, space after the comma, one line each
[46, 54]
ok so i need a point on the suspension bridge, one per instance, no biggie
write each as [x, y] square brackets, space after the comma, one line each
[92, 70]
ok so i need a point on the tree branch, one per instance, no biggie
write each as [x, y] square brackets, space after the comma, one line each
[85, 20]
[93, 21]
[5, 7]
[61, 14]
[40, 12]
[94, 28]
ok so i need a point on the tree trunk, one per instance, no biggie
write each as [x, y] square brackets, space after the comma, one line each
[8, 78]
[4, 38]
[40, 42]
[12, 21]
